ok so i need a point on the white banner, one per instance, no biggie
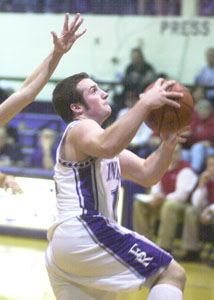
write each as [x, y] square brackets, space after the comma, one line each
[173, 45]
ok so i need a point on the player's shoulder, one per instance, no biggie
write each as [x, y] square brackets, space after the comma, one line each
[83, 127]
[86, 124]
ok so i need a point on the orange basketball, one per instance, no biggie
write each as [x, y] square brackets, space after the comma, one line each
[168, 118]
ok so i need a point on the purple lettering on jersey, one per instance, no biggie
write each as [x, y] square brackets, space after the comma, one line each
[113, 171]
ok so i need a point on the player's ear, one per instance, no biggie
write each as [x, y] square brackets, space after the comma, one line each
[76, 108]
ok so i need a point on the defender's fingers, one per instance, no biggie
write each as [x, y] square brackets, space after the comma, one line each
[76, 27]
[54, 35]
[73, 23]
[65, 26]
[81, 33]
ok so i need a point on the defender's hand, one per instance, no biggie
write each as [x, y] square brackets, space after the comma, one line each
[68, 35]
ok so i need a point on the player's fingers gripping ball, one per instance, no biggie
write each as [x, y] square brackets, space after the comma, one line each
[169, 119]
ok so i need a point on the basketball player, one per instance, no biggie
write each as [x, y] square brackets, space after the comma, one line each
[37, 80]
[89, 255]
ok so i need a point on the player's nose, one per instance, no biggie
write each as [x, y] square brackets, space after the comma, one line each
[104, 95]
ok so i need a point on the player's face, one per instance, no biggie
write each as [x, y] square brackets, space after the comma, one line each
[96, 99]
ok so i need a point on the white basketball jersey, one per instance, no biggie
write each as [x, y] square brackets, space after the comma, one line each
[87, 187]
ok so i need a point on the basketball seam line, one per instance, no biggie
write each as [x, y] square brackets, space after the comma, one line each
[162, 117]
[176, 113]
[187, 105]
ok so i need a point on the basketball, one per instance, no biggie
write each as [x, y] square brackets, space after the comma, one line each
[168, 118]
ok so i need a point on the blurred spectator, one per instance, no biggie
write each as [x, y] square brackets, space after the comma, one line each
[56, 6]
[203, 196]
[163, 7]
[205, 77]
[144, 132]
[72, 6]
[152, 144]
[200, 139]
[138, 73]
[45, 154]
[6, 5]
[168, 7]
[9, 182]
[203, 201]
[10, 154]
[147, 7]
[206, 7]
[169, 202]
[198, 93]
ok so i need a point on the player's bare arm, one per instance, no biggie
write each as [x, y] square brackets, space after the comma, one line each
[147, 172]
[90, 139]
[37, 80]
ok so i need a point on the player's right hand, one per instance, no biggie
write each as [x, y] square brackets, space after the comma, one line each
[158, 95]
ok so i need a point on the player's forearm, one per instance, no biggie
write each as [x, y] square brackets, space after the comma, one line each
[30, 89]
[119, 135]
[38, 79]
[157, 164]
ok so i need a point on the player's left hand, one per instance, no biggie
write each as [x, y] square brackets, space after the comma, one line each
[68, 35]
[172, 139]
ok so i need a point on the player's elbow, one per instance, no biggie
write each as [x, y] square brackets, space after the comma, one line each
[108, 151]
[148, 179]
[148, 183]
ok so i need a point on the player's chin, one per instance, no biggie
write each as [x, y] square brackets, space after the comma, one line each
[108, 112]
[108, 109]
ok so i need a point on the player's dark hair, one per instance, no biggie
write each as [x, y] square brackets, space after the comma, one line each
[66, 93]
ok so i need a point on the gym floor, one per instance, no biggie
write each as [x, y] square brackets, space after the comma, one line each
[23, 274]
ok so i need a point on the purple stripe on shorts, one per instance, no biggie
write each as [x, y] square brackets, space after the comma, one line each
[141, 257]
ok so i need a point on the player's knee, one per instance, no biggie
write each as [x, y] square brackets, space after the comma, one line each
[174, 274]
[178, 273]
